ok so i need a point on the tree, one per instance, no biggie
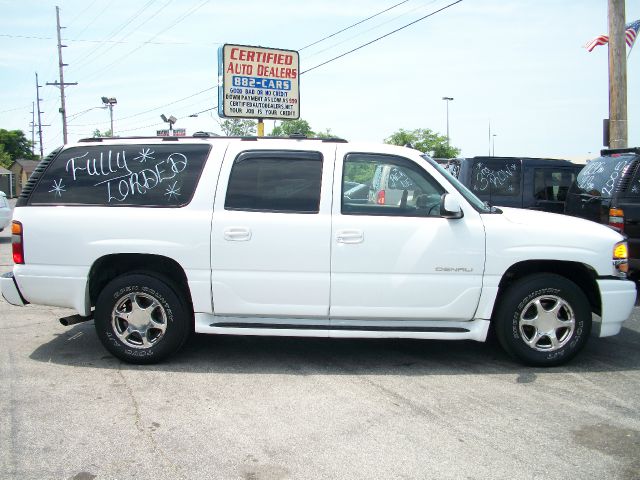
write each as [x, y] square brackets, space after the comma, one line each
[238, 127]
[425, 140]
[98, 134]
[15, 144]
[5, 158]
[326, 134]
[290, 127]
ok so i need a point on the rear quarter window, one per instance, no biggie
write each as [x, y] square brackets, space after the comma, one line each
[600, 177]
[149, 175]
[496, 177]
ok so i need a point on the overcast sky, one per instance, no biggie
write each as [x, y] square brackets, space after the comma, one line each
[518, 65]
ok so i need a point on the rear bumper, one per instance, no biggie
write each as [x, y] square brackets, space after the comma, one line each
[10, 290]
[618, 299]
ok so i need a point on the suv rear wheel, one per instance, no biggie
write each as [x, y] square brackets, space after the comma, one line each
[140, 318]
[543, 320]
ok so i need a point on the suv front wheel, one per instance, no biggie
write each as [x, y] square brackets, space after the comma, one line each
[543, 320]
[140, 318]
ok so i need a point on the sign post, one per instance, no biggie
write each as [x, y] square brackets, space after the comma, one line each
[258, 82]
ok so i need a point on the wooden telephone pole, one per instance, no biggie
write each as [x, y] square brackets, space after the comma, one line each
[61, 83]
[617, 75]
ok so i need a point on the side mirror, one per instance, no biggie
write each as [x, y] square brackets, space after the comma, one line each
[450, 207]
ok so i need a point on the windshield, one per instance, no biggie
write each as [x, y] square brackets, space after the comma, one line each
[600, 176]
[464, 191]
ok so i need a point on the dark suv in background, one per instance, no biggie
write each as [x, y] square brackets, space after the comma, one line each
[607, 191]
[535, 183]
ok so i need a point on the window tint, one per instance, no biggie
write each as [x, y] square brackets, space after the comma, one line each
[385, 185]
[275, 182]
[600, 176]
[552, 185]
[496, 177]
[129, 175]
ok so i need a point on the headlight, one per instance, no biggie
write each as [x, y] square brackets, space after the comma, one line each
[621, 259]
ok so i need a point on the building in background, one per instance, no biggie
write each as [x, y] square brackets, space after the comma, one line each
[21, 170]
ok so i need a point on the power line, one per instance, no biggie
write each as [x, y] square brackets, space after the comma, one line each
[119, 42]
[306, 71]
[351, 26]
[381, 37]
[90, 57]
[330, 47]
[95, 18]
[152, 109]
[164, 30]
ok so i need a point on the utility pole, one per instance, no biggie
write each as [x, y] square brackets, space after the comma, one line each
[38, 87]
[33, 128]
[617, 75]
[61, 83]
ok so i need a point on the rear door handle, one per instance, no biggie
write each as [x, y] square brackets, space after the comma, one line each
[350, 236]
[237, 234]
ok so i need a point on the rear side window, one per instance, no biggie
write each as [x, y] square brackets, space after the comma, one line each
[149, 175]
[271, 181]
[552, 185]
[600, 177]
[496, 177]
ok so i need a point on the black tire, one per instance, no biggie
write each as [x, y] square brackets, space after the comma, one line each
[527, 335]
[141, 319]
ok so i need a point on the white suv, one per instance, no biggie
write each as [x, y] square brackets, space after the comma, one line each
[156, 237]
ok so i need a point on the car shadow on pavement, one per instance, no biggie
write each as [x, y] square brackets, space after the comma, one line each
[79, 347]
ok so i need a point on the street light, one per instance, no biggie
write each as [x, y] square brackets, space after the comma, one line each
[110, 102]
[493, 144]
[447, 99]
[171, 120]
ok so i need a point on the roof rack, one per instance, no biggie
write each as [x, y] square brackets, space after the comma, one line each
[211, 135]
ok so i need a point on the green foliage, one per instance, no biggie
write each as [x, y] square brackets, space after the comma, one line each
[5, 158]
[98, 134]
[289, 127]
[238, 127]
[14, 145]
[426, 141]
[359, 172]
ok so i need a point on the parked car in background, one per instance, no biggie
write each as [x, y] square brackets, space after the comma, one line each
[534, 183]
[5, 211]
[607, 191]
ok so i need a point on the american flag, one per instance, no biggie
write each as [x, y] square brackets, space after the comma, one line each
[631, 33]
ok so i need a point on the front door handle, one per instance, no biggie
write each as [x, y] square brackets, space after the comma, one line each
[350, 236]
[237, 234]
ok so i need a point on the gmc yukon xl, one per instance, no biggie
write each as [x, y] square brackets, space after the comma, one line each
[153, 238]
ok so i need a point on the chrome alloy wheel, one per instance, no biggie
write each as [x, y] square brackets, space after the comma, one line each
[547, 323]
[139, 320]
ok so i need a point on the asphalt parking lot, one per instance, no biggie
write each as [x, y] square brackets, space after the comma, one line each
[278, 408]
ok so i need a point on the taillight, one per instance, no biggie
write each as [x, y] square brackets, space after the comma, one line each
[616, 219]
[380, 198]
[17, 246]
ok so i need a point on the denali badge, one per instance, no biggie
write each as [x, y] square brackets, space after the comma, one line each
[454, 269]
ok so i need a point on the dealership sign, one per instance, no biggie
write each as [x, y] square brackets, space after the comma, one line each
[256, 82]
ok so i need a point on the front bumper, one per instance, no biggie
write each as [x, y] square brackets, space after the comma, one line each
[618, 299]
[10, 290]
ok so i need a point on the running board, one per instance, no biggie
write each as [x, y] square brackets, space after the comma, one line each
[434, 330]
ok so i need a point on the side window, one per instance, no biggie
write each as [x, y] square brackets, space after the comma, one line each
[155, 175]
[271, 181]
[386, 185]
[552, 185]
[496, 177]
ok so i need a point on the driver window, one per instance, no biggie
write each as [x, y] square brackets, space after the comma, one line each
[389, 186]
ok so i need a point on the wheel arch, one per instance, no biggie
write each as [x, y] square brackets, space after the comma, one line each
[580, 274]
[108, 267]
